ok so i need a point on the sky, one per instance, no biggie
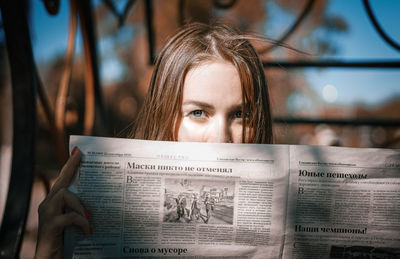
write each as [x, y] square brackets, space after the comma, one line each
[362, 42]
[335, 86]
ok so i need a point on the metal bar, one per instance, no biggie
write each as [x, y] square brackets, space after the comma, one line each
[181, 12]
[332, 64]
[340, 122]
[62, 92]
[379, 28]
[14, 15]
[150, 30]
[89, 39]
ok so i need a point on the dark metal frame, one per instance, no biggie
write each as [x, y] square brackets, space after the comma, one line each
[24, 113]
[378, 28]
[356, 64]
[379, 64]
[340, 122]
[24, 89]
[88, 24]
[150, 31]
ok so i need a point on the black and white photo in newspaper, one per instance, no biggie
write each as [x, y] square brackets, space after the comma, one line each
[343, 203]
[152, 198]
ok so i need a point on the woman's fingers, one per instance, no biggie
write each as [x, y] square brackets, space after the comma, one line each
[52, 212]
[73, 218]
[60, 209]
[64, 199]
[55, 226]
[67, 172]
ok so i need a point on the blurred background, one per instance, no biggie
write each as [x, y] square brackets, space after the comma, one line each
[339, 86]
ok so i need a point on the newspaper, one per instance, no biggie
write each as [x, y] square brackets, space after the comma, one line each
[150, 198]
[204, 200]
[343, 203]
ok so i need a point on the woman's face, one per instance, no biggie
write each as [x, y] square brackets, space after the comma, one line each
[212, 104]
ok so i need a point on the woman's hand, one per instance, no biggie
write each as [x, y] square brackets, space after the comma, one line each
[61, 208]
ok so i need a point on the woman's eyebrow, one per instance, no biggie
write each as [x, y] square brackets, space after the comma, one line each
[236, 107]
[198, 103]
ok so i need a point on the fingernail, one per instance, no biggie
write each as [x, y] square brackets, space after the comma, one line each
[74, 150]
[87, 214]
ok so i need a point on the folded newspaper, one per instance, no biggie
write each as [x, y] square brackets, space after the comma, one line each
[205, 200]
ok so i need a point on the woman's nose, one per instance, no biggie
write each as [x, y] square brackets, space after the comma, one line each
[220, 131]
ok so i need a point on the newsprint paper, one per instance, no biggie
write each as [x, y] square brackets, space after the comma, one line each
[153, 199]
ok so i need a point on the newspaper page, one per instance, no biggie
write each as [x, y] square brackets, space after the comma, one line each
[343, 203]
[169, 199]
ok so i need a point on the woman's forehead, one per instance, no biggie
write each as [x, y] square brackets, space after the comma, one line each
[212, 80]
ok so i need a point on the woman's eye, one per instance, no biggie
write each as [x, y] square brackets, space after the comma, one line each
[238, 115]
[197, 113]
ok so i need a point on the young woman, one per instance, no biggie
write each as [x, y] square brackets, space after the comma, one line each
[208, 85]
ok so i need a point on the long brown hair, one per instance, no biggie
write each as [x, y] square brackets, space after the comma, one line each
[194, 44]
